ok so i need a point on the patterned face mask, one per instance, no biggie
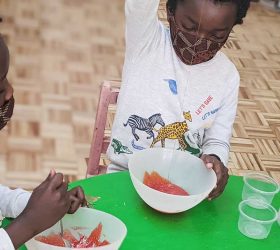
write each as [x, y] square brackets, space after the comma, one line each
[6, 112]
[189, 48]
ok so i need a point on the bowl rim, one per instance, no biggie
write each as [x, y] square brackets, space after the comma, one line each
[99, 247]
[264, 204]
[263, 177]
[135, 154]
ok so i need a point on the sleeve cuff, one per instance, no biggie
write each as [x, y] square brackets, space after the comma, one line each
[6, 243]
[220, 151]
[21, 203]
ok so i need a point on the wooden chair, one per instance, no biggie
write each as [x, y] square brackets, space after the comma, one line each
[108, 95]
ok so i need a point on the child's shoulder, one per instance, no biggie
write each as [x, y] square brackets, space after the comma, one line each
[227, 65]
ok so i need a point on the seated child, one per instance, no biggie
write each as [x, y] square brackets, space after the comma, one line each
[178, 89]
[48, 203]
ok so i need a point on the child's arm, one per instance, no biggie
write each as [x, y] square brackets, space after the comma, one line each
[48, 203]
[217, 137]
[12, 202]
[216, 141]
[142, 25]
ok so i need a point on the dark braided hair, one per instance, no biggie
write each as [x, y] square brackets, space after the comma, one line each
[242, 7]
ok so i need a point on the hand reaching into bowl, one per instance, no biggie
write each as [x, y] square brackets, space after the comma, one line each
[49, 202]
[77, 198]
[212, 161]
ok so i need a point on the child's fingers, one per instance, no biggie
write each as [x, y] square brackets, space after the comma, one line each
[222, 178]
[209, 165]
[50, 175]
[78, 192]
[214, 195]
[216, 191]
[56, 181]
[75, 204]
[52, 172]
[208, 160]
[62, 189]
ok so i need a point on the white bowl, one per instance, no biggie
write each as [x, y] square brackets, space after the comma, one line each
[113, 230]
[181, 168]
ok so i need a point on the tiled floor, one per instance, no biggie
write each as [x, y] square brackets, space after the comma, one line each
[61, 50]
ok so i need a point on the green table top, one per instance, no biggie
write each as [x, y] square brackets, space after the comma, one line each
[209, 225]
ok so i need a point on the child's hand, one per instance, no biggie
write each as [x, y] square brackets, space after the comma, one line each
[49, 202]
[221, 172]
[77, 198]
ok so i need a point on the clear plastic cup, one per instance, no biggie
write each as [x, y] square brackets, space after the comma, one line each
[259, 187]
[256, 218]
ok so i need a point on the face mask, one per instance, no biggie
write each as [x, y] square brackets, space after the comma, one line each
[189, 48]
[6, 112]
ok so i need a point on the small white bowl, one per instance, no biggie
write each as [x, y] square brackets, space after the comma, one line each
[181, 168]
[114, 230]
